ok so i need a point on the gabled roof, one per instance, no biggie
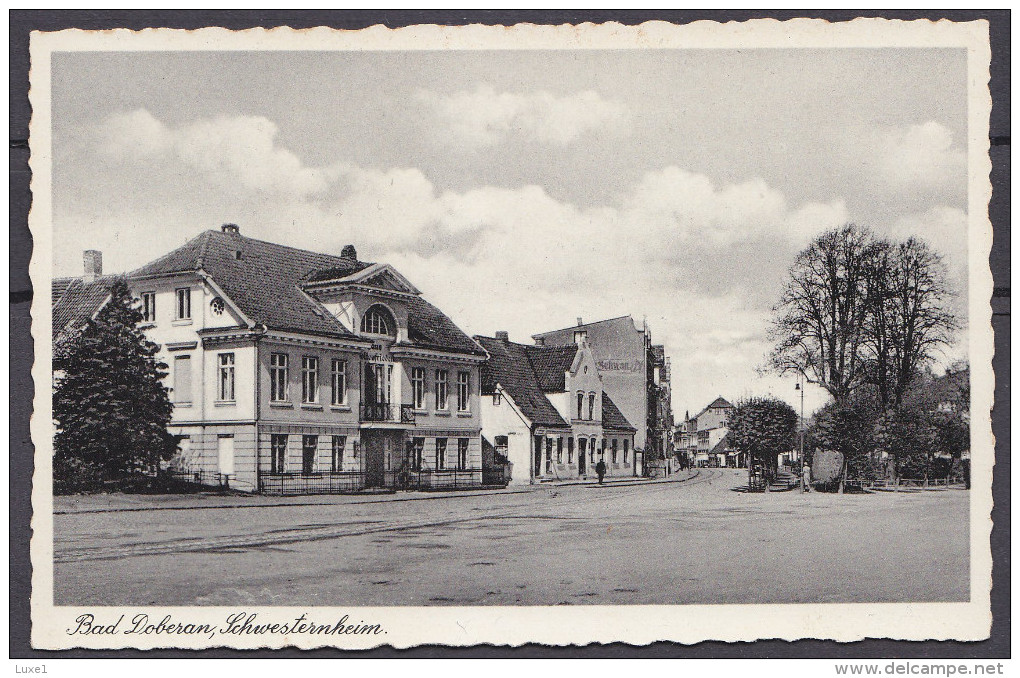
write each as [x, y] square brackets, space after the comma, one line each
[551, 364]
[510, 367]
[719, 402]
[265, 281]
[612, 417]
[75, 301]
[721, 446]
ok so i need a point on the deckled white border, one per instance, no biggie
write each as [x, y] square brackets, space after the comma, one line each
[636, 624]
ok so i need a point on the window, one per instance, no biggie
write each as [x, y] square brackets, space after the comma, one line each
[418, 387]
[149, 307]
[615, 441]
[339, 395]
[570, 450]
[626, 449]
[463, 391]
[417, 453]
[442, 395]
[309, 447]
[496, 399]
[462, 453]
[309, 379]
[377, 320]
[278, 447]
[559, 450]
[580, 405]
[278, 378]
[440, 453]
[225, 392]
[591, 449]
[183, 311]
[548, 455]
[182, 379]
[502, 443]
[339, 442]
[591, 407]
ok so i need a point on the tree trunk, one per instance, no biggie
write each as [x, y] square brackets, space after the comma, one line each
[842, 476]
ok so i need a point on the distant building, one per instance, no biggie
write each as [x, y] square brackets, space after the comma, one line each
[545, 410]
[635, 373]
[294, 371]
[704, 438]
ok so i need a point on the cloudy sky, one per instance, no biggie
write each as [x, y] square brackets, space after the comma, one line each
[520, 190]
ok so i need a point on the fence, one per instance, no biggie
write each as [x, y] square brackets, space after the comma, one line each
[312, 483]
[209, 479]
[906, 484]
[431, 479]
[387, 412]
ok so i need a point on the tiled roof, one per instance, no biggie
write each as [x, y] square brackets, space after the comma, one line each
[612, 417]
[75, 301]
[264, 281]
[509, 366]
[721, 446]
[575, 327]
[551, 364]
[719, 402]
[428, 327]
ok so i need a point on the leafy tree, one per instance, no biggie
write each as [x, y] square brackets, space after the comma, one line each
[110, 405]
[848, 428]
[763, 428]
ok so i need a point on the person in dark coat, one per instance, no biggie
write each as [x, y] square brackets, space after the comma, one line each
[600, 469]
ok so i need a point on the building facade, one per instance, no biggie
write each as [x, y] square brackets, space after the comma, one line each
[545, 410]
[297, 372]
[635, 373]
[704, 438]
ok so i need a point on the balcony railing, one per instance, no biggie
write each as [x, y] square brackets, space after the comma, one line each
[388, 412]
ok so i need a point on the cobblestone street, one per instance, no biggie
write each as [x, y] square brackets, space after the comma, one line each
[689, 542]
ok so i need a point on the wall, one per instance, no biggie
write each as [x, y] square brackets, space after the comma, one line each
[505, 420]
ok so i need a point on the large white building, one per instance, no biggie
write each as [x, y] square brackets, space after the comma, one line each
[296, 371]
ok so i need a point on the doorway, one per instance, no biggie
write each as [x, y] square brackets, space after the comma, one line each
[225, 453]
[582, 457]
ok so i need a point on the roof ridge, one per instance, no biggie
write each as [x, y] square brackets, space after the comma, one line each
[291, 247]
[203, 248]
[596, 322]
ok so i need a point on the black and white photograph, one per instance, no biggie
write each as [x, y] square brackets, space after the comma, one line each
[464, 335]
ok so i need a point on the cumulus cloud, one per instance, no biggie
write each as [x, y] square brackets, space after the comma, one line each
[702, 260]
[484, 117]
[227, 149]
[920, 155]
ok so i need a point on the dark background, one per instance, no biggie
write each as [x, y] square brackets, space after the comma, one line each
[22, 22]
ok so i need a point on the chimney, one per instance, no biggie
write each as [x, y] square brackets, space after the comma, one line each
[503, 336]
[232, 229]
[579, 323]
[93, 265]
[348, 252]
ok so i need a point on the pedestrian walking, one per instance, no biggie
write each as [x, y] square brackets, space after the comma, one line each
[806, 476]
[600, 469]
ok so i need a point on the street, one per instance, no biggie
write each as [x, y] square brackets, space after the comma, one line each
[688, 542]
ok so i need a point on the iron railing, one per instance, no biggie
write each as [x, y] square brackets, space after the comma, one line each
[435, 479]
[341, 482]
[387, 412]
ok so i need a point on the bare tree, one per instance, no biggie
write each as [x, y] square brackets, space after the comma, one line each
[818, 322]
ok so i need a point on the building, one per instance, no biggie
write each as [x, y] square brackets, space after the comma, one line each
[294, 371]
[704, 438]
[75, 301]
[635, 373]
[545, 410]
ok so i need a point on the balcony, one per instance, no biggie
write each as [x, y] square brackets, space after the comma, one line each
[387, 413]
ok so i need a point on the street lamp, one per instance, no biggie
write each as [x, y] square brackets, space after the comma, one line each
[803, 477]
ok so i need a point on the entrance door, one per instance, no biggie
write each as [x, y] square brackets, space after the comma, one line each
[582, 456]
[375, 459]
[225, 452]
[537, 443]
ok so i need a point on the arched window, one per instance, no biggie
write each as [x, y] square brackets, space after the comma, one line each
[378, 320]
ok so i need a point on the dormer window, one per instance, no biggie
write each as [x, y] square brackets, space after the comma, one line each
[378, 320]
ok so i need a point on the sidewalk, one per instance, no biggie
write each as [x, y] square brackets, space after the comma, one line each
[625, 481]
[118, 503]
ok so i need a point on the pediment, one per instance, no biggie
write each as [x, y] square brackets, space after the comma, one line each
[384, 277]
